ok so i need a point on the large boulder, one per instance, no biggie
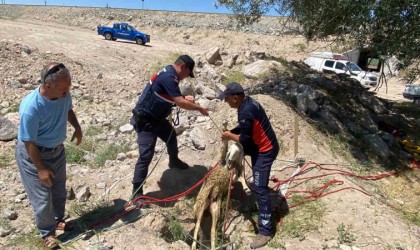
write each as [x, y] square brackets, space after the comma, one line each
[205, 91]
[260, 68]
[8, 130]
[213, 56]
[377, 145]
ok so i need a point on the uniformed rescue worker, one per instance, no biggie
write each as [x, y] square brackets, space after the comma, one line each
[149, 117]
[258, 140]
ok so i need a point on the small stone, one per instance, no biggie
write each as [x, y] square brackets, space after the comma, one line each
[345, 247]
[4, 231]
[201, 119]
[133, 154]
[121, 157]
[70, 194]
[84, 194]
[23, 80]
[21, 197]
[9, 214]
[127, 128]
[26, 49]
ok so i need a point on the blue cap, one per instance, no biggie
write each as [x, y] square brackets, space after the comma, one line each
[232, 88]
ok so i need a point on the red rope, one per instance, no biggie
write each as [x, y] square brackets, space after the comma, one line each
[128, 208]
[415, 164]
[319, 192]
[336, 171]
[314, 194]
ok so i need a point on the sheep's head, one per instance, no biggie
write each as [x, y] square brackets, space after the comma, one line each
[235, 154]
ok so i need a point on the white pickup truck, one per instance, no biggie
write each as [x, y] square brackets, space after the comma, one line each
[412, 92]
[337, 63]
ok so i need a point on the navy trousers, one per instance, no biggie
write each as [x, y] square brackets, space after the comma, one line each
[146, 139]
[261, 167]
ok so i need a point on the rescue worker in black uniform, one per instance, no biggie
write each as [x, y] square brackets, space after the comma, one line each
[259, 141]
[149, 117]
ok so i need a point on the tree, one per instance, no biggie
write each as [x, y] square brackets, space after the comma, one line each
[387, 27]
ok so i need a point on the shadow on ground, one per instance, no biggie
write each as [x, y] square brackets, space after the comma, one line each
[175, 181]
[101, 218]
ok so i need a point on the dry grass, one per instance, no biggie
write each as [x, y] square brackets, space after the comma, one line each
[403, 193]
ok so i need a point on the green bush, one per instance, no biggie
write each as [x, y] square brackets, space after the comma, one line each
[344, 235]
[301, 46]
[74, 154]
[109, 152]
[5, 160]
[177, 231]
[234, 76]
[93, 130]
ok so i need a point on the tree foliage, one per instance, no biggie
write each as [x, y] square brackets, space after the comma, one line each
[387, 27]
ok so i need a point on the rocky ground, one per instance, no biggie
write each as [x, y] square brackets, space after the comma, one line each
[337, 125]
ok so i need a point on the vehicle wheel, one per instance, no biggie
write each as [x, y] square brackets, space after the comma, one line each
[139, 41]
[108, 36]
[417, 101]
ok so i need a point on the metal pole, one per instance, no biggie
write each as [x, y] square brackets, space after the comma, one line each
[296, 136]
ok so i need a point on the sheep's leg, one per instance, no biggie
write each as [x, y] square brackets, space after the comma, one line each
[214, 210]
[239, 176]
[224, 148]
[245, 187]
[199, 216]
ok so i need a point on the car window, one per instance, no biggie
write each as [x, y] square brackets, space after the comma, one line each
[339, 65]
[353, 67]
[118, 26]
[329, 63]
[128, 28]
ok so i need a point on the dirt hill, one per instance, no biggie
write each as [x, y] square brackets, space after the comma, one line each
[339, 127]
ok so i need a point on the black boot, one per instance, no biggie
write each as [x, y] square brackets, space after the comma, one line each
[137, 192]
[175, 162]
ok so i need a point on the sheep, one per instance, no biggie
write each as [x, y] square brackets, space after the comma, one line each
[217, 184]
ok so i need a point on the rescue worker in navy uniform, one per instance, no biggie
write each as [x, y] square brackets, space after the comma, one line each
[258, 140]
[149, 117]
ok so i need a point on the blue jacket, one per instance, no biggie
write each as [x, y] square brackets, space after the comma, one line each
[156, 100]
[256, 133]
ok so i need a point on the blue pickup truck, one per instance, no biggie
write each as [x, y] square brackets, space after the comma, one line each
[123, 31]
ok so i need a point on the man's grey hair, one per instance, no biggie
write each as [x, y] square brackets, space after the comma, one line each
[54, 77]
